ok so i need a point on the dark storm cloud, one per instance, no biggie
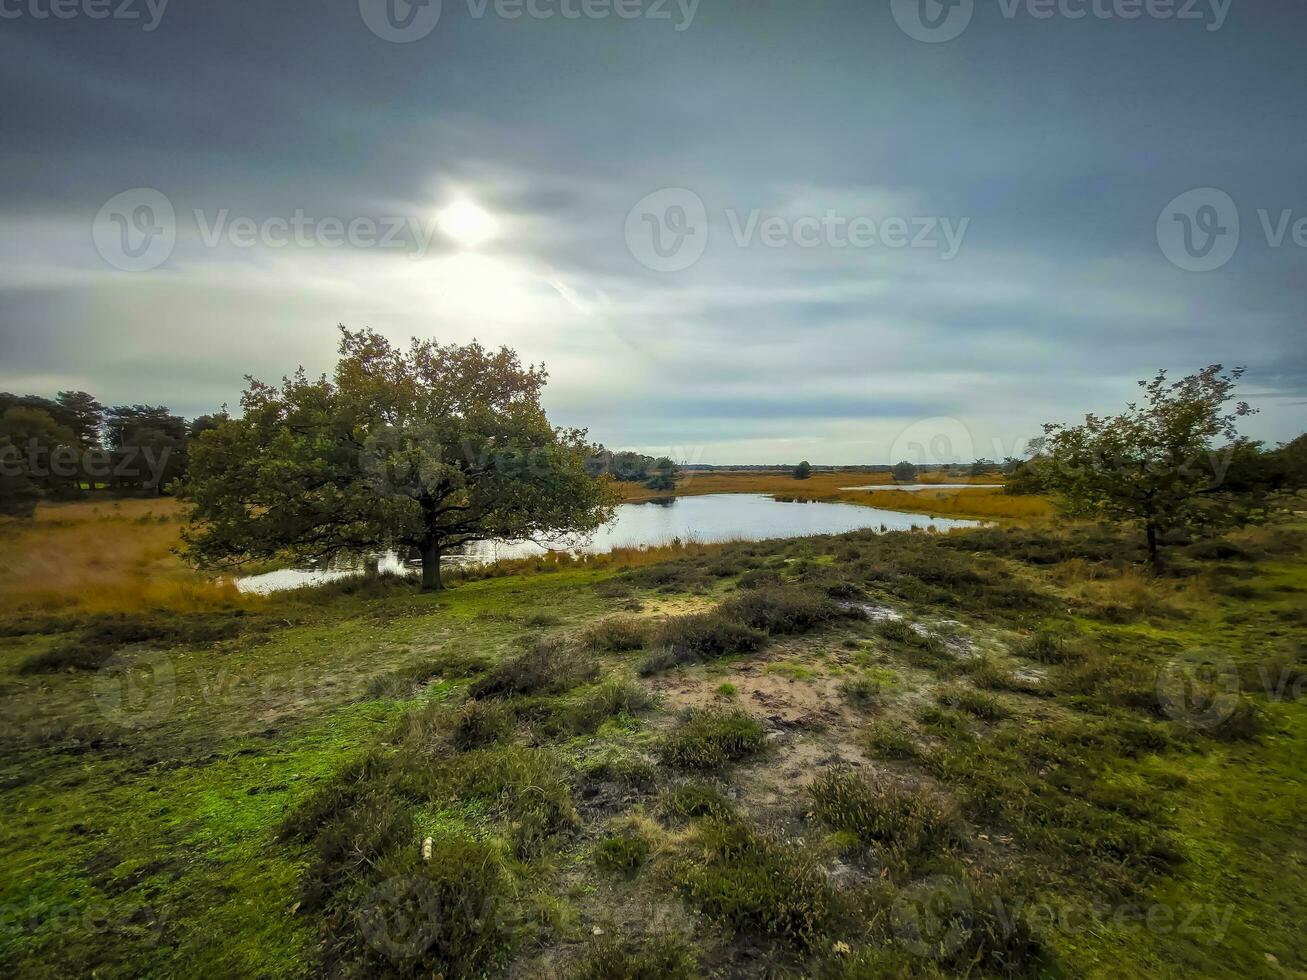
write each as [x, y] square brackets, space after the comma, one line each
[1058, 140]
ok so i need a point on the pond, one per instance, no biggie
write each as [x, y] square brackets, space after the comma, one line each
[706, 518]
[914, 487]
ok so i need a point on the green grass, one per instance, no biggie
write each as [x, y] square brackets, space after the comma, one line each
[286, 772]
[624, 854]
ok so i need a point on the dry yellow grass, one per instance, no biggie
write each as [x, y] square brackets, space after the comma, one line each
[984, 501]
[104, 556]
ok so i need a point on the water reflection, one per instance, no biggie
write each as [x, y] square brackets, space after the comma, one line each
[706, 518]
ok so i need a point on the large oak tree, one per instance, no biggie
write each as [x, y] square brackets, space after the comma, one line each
[425, 449]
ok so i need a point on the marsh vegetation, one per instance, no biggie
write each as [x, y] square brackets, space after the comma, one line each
[752, 758]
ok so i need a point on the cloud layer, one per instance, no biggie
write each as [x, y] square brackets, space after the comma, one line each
[1054, 144]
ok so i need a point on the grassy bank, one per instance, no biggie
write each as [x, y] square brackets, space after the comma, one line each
[854, 756]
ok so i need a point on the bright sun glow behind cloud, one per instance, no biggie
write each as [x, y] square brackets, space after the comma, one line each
[467, 223]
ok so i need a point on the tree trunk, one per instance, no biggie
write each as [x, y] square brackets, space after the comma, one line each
[431, 567]
[1152, 544]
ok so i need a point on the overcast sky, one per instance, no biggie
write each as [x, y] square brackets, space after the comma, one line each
[861, 236]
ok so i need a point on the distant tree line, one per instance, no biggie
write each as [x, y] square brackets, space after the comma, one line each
[656, 473]
[71, 445]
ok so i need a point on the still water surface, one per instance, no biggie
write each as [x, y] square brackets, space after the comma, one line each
[705, 518]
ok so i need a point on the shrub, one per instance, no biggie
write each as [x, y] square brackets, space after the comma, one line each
[984, 706]
[944, 722]
[617, 634]
[1044, 647]
[107, 635]
[326, 802]
[617, 765]
[548, 667]
[646, 958]
[669, 576]
[1109, 678]
[989, 674]
[1244, 722]
[759, 578]
[905, 821]
[783, 610]
[398, 683]
[890, 740]
[750, 880]
[623, 854]
[527, 787]
[862, 692]
[708, 739]
[590, 709]
[693, 800]
[352, 840]
[972, 925]
[696, 637]
[1039, 779]
[481, 723]
[875, 963]
[457, 895]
